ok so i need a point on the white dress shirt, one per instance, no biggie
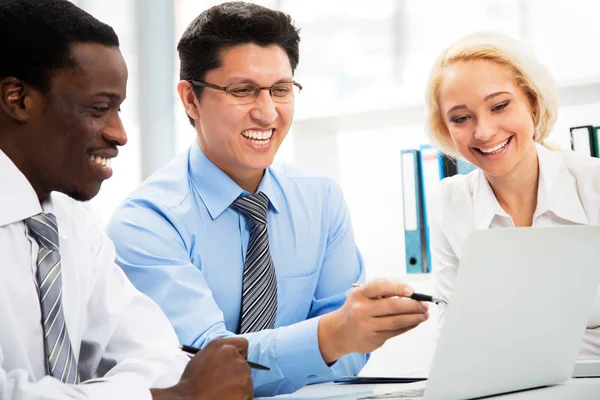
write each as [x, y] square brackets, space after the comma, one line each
[568, 194]
[123, 341]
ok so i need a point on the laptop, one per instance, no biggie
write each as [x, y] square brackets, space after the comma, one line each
[518, 312]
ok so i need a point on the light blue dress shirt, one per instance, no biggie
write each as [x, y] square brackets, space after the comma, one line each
[180, 242]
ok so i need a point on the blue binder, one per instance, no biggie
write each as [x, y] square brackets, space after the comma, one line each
[451, 166]
[435, 166]
[431, 175]
[464, 167]
[414, 232]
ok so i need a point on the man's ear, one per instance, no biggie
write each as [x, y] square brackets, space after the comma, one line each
[188, 99]
[15, 99]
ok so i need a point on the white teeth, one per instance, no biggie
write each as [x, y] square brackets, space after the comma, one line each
[495, 149]
[105, 162]
[257, 135]
[259, 142]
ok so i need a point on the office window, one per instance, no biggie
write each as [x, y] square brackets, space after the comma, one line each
[564, 35]
[358, 56]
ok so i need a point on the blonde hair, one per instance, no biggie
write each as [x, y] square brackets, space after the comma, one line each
[528, 73]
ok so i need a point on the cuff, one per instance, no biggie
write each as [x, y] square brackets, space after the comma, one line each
[113, 390]
[298, 353]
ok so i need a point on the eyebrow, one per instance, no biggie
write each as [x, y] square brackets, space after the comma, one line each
[460, 107]
[491, 96]
[486, 98]
[237, 79]
[112, 96]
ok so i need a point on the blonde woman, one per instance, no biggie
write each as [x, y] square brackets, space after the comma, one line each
[492, 103]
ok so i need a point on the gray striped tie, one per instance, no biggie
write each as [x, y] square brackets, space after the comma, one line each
[61, 362]
[259, 288]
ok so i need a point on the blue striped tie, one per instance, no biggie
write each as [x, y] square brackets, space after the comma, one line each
[259, 287]
[61, 362]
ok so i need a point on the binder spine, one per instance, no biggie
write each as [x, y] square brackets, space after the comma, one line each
[583, 140]
[414, 234]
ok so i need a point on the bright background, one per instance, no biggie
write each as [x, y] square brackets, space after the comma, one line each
[363, 65]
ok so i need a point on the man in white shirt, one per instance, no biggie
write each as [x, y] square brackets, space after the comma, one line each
[73, 326]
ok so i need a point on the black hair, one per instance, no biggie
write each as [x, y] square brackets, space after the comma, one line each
[36, 38]
[231, 24]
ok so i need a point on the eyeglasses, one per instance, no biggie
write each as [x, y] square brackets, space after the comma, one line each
[246, 92]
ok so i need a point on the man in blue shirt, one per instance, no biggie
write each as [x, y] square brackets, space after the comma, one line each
[227, 243]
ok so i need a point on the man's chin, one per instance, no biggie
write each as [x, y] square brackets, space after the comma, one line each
[83, 193]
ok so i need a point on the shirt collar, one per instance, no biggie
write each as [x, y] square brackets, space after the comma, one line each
[557, 193]
[216, 189]
[557, 190]
[18, 199]
[485, 204]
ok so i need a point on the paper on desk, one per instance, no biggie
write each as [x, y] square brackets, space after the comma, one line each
[327, 390]
[411, 373]
[331, 391]
[406, 392]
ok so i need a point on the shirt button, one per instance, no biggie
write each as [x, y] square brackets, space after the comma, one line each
[247, 227]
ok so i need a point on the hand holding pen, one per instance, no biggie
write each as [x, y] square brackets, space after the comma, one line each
[193, 350]
[419, 297]
[219, 371]
[371, 314]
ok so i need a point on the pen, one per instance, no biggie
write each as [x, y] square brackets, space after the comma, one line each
[419, 297]
[194, 350]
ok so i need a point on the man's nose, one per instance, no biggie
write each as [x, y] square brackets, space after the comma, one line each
[115, 132]
[264, 108]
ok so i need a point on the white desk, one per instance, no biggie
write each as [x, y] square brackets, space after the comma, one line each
[579, 389]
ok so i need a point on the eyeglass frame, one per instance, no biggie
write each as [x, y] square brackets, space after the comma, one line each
[226, 88]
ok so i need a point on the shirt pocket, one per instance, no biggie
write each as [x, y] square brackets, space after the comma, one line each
[295, 296]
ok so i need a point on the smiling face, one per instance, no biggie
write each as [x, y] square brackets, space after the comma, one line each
[488, 117]
[242, 139]
[70, 133]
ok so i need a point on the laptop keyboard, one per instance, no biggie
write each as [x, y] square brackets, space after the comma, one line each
[402, 394]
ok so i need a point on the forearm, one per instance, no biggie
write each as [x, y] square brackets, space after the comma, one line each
[293, 354]
[160, 394]
[330, 335]
[17, 384]
[167, 394]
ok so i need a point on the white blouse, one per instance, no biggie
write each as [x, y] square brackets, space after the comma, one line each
[568, 194]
